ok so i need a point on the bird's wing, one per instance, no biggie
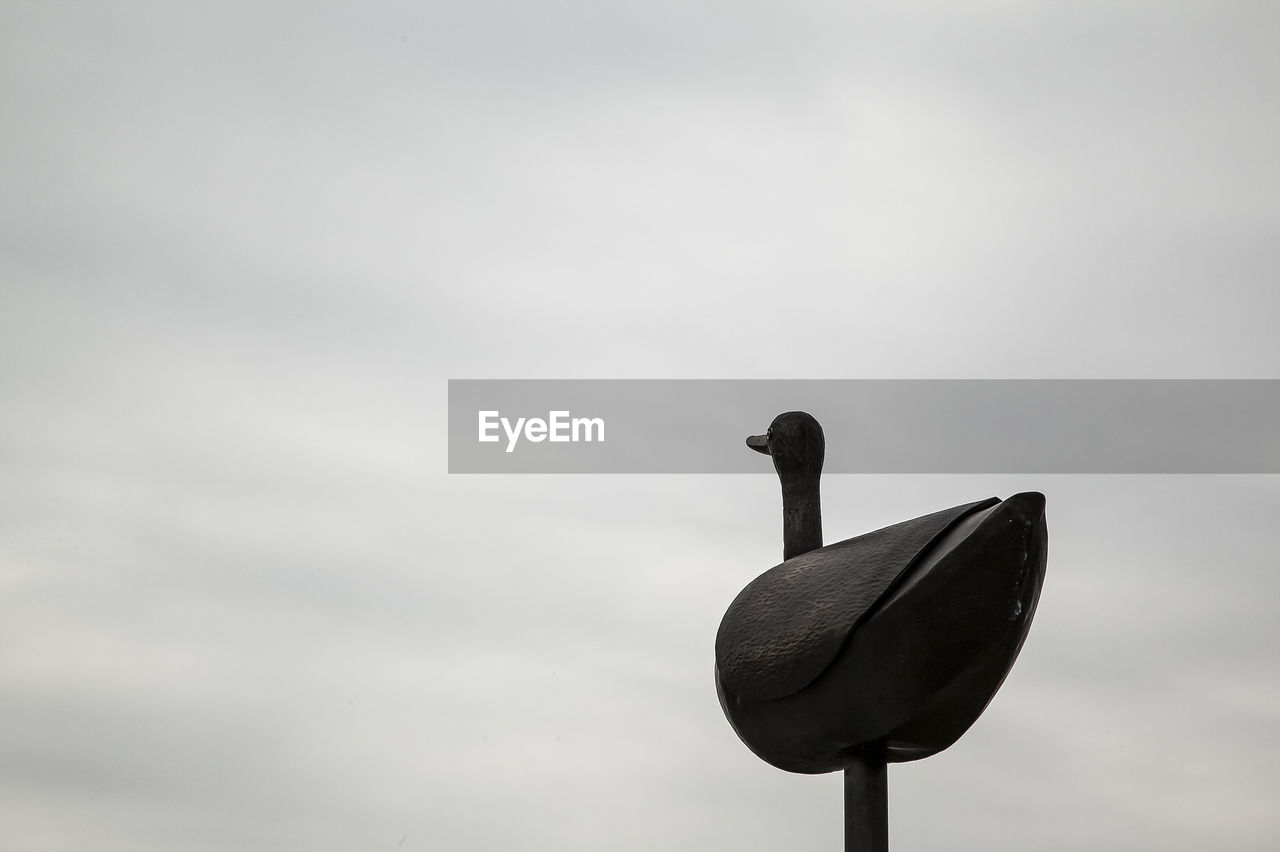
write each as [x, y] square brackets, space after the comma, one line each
[790, 623]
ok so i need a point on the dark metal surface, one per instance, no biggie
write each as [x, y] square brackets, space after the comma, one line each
[788, 625]
[866, 804]
[882, 648]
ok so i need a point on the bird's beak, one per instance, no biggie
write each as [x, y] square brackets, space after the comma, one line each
[759, 443]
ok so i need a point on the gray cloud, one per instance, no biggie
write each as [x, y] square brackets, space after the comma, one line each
[243, 248]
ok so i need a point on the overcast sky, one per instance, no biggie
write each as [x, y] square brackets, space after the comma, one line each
[244, 246]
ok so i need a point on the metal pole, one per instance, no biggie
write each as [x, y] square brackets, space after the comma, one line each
[866, 805]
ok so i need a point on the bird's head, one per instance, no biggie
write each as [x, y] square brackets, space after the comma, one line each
[795, 442]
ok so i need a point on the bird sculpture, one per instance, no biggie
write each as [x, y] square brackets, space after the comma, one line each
[881, 648]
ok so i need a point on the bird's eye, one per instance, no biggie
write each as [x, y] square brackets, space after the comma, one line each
[769, 433]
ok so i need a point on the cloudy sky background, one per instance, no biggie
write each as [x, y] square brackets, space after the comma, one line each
[242, 605]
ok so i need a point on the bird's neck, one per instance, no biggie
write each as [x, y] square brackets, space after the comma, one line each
[801, 515]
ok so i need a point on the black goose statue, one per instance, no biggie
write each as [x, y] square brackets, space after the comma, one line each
[881, 648]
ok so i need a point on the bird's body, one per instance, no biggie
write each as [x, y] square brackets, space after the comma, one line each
[889, 644]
